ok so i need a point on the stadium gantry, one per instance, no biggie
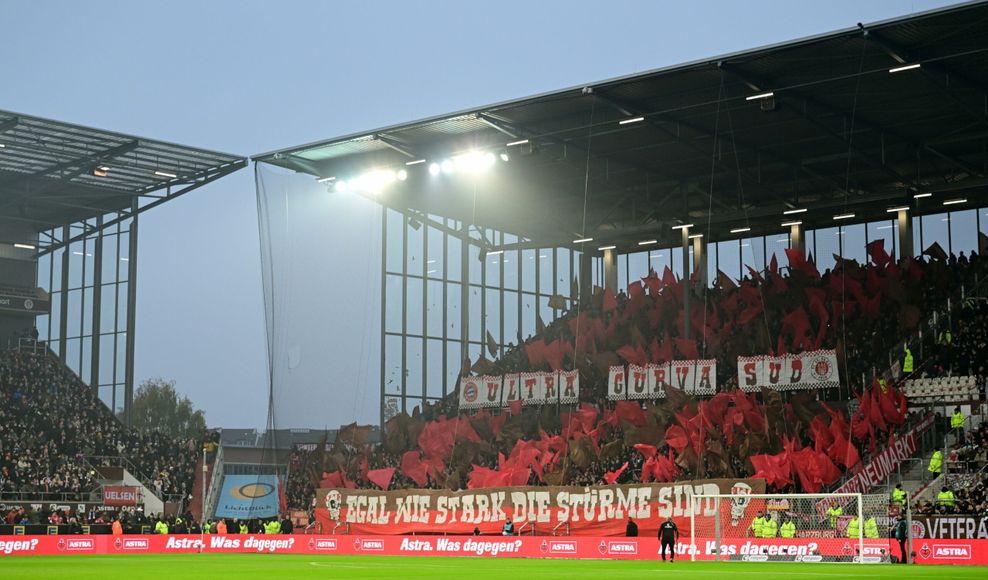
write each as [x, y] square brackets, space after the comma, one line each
[874, 132]
[70, 201]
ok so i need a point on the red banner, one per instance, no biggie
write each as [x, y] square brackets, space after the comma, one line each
[591, 511]
[118, 495]
[806, 550]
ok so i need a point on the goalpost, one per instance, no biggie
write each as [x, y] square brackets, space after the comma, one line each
[825, 527]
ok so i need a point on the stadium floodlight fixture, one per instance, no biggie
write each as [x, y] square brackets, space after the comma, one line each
[504, 156]
[582, 240]
[695, 236]
[326, 179]
[954, 201]
[447, 166]
[341, 185]
[844, 216]
[494, 252]
[631, 120]
[682, 226]
[792, 211]
[402, 175]
[519, 142]
[759, 96]
[473, 161]
[647, 242]
[906, 67]
[897, 209]
[416, 162]
[100, 171]
[740, 230]
[160, 173]
[790, 224]
[922, 195]
[603, 248]
[434, 169]
[25, 246]
[2, 146]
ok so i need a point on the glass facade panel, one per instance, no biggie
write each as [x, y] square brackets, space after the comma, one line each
[827, 245]
[935, 230]
[963, 232]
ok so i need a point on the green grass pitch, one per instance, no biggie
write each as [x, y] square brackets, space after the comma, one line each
[301, 567]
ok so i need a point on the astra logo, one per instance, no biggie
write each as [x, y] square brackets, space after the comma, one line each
[562, 547]
[622, 548]
[959, 552]
[136, 544]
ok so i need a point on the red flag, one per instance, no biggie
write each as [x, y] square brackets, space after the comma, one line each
[686, 348]
[612, 476]
[631, 412]
[799, 263]
[676, 437]
[381, 477]
[515, 407]
[610, 302]
[648, 451]
[334, 479]
[413, 467]
[877, 253]
[587, 415]
[775, 469]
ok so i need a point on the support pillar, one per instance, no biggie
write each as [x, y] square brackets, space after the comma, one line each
[905, 234]
[700, 262]
[610, 270]
[796, 238]
[586, 277]
[687, 290]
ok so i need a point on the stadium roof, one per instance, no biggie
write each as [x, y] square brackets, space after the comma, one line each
[850, 123]
[54, 173]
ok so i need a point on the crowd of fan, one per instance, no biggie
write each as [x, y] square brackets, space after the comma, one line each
[964, 489]
[911, 293]
[134, 520]
[53, 431]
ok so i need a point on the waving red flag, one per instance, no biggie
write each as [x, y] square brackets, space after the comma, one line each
[381, 477]
[413, 468]
[612, 476]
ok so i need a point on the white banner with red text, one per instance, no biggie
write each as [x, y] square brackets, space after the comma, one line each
[536, 388]
[696, 377]
[809, 370]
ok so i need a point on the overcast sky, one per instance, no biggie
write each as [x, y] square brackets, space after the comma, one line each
[248, 77]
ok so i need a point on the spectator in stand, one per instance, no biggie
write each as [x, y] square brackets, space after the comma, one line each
[51, 426]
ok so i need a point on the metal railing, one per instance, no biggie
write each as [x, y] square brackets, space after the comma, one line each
[69, 497]
[344, 525]
[555, 528]
[313, 528]
[530, 525]
[215, 483]
[95, 461]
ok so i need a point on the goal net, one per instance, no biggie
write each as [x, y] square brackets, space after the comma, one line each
[836, 527]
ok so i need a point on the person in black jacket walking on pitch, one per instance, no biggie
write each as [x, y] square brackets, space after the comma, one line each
[668, 536]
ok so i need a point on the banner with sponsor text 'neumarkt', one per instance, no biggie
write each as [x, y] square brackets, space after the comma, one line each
[599, 510]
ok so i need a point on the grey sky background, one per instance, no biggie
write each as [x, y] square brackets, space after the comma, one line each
[248, 77]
